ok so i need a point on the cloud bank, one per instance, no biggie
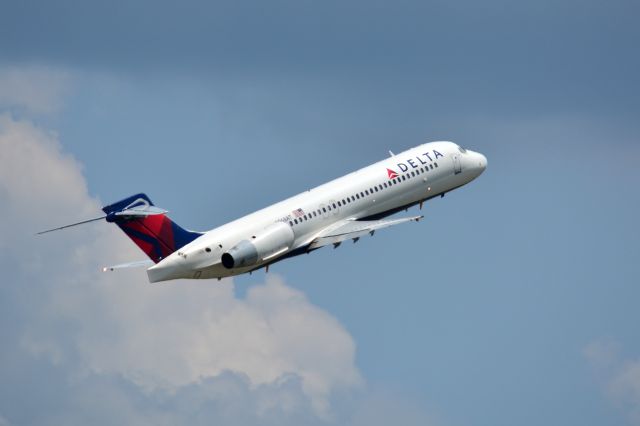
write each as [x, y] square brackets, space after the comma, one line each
[620, 376]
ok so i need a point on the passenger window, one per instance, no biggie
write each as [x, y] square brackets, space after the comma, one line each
[295, 221]
[339, 203]
[431, 165]
[362, 194]
[290, 223]
[324, 209]
[435, 164]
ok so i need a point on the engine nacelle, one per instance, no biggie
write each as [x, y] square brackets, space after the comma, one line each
[271, 241]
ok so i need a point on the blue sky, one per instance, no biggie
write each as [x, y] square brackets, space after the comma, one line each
[513, 302]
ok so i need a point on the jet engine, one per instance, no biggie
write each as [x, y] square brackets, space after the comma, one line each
[270, 242]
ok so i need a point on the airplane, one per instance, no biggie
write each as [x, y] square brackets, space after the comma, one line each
[346, 208]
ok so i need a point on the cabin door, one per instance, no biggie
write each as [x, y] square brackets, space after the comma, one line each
[457, 167]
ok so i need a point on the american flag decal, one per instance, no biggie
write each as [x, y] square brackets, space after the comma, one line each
[298, 213]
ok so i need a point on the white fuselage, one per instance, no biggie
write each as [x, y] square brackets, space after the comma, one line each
[375, 191]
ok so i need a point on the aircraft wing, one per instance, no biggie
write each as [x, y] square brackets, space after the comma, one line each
[351, 229]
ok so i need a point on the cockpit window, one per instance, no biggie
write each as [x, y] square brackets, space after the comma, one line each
[462, 150]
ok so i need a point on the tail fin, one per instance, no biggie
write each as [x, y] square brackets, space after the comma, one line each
[148, 226]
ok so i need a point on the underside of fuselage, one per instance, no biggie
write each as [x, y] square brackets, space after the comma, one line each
[306, 248]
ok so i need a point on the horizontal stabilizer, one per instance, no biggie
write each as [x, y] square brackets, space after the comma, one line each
[143, 210]
[354, 229]
[137, 264]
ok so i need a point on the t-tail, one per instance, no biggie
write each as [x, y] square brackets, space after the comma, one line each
[146, 225]
[151, 230]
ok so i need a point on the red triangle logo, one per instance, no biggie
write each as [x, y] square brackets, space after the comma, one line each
[391, 174]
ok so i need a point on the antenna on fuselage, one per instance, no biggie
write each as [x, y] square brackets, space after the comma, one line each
[391, 153]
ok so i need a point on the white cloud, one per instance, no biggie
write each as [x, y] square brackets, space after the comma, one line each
[161, 339]
[620, 376]
[34, 89]
[171, 335]
[624, 388]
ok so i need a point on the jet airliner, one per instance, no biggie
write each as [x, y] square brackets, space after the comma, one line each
[347, 208]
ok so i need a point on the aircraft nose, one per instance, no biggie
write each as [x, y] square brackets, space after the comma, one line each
[482, 162]
[477, 163]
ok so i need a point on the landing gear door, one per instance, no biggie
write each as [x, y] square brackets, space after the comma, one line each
[457, 167]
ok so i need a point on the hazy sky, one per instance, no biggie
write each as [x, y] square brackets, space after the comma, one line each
[514, 302]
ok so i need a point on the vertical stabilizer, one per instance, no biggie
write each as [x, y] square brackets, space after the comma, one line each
[148, 226]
